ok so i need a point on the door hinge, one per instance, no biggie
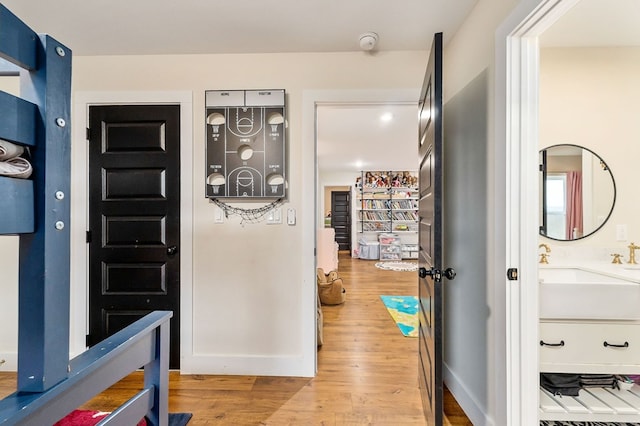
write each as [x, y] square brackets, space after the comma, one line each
[88, 133]
[88, 236]
[512, 274]
[541, 167]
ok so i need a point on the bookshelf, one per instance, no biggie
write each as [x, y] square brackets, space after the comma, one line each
[386, 203]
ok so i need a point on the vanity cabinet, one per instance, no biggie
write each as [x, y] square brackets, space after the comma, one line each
[590, 347]
[608, 347]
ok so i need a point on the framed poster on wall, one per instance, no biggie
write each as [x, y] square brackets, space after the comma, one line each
[245, 145]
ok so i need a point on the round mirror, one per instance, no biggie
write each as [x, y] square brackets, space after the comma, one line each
[577, 192]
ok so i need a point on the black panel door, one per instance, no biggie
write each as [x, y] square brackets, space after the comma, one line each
[134, 218]
[341, 218]
[430, 237]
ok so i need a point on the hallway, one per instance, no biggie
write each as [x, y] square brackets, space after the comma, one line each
[386, 363]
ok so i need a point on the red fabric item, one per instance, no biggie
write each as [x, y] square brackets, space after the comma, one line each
[87, 418]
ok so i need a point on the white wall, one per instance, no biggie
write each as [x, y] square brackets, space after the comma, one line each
[589, 97]
[9, 276]
[253, 302]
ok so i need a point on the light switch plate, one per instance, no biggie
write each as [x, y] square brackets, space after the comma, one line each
[218, 215]
[621, 232]
[291, 216]
[274, 217]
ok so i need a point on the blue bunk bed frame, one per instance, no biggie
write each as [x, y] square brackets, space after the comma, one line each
[38, 210]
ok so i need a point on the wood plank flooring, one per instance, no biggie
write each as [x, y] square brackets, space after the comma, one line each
[367, 371]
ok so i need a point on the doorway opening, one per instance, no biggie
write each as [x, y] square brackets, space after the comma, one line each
[353, 138]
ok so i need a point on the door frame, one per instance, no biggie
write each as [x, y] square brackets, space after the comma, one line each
[516, 124]
[80, 209]
[310, 202]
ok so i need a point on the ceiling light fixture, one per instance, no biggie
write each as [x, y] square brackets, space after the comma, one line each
[368, 41]
[386, 117]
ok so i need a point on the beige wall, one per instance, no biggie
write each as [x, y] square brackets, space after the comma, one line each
[9, 275]
[564, 163]
[247, 305]
[589, 97]
[247, 279]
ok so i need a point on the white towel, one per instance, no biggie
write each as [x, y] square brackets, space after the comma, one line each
[16, 168]
[9, 150]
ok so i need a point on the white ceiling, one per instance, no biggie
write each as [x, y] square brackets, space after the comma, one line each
[345, 135]
[356, 137]
[596, 23]
[140, 27]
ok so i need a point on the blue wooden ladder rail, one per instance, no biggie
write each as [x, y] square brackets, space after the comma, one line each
[144, 343]
[38, 211]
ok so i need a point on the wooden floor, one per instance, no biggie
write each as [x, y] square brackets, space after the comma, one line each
[367, 371]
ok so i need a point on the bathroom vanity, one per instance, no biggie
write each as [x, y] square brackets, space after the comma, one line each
[590, 323]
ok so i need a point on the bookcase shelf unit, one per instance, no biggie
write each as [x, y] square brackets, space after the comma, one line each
[386, 202]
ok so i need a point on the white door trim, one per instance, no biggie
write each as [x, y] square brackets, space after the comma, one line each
[310, 100]
[517, 63]
[80, 211]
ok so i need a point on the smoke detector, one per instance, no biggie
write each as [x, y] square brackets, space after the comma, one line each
[368, 41]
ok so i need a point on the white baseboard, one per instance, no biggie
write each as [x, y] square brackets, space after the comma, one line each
[246, 366]
[465, 400]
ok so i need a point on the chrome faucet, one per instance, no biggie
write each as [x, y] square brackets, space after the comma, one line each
[632, 253]
[544, 256]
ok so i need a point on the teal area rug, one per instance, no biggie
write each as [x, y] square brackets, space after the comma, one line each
[404, 311]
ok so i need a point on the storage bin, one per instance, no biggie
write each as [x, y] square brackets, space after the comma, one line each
[369, 250]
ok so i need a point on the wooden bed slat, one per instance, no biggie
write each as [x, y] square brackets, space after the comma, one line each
[17, 40]
[18, 215]
[18, 120]
[143, 343]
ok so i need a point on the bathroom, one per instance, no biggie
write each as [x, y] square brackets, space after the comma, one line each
[589, 97]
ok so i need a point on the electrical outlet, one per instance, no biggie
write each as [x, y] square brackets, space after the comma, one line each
[621, 232]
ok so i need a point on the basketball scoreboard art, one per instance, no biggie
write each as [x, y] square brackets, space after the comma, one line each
[245, 146]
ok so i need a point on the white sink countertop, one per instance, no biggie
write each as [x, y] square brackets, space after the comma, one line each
[603, 291]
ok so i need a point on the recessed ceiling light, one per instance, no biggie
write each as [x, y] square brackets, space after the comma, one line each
[386, 117]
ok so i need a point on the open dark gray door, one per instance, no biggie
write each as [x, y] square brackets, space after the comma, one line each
[431, 237]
